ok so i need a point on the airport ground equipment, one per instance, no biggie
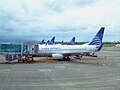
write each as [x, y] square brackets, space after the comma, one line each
[10, 57]
[25, 58]
[29, 59]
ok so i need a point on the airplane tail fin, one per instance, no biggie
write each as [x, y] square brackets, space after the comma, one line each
[51, 42]
[62, 42]
[97, 40]
[72, 41]
[43, 41]
[53, 39]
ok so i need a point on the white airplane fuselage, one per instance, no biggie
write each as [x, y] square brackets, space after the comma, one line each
[67, 50]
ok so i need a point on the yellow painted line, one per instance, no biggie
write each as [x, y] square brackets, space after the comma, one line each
[45, 61]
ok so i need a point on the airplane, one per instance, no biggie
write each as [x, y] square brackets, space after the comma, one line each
[72, 42]
[49, 42]
[63, 52]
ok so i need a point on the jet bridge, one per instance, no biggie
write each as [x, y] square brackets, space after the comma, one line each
[21, 53]
[11, 50]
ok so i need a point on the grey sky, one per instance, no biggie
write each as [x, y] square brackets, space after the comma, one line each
[64, 19]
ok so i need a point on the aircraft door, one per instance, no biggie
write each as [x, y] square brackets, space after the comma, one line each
[36, 49]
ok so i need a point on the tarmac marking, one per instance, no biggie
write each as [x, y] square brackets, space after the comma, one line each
[5, 69]
[60, 66]
[45, 70]
[102, 75]
[59, 83]
[107, 88]
[54, 79]
[64, 84]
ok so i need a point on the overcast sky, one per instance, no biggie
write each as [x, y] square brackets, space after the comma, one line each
[64, 19]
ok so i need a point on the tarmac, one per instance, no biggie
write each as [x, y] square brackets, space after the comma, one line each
[89, 73]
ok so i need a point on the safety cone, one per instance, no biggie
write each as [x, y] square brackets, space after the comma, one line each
[105, 57]
[97, 63]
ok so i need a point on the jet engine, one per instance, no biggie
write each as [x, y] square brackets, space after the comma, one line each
[57, 56]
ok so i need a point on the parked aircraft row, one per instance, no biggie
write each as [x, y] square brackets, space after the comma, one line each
[65, 51]
[52, 41]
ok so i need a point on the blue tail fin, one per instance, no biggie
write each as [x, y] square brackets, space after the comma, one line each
[53, 39]
[43, 41]
[62, 42]
[97, 40]
[72, 42]
[51, 42]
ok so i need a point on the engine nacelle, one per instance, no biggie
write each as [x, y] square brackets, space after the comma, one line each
[57, 56]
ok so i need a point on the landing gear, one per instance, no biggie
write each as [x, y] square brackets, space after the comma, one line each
[92, 54]
[78, 57]
[66, 58]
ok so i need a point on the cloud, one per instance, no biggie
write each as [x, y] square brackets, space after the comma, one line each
[38, 19]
